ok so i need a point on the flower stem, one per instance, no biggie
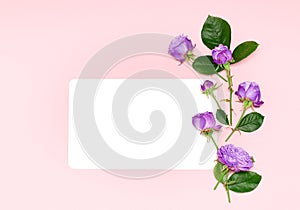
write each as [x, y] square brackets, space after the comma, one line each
[229, 78]
[237, 125]
[215, 99]
[228, 194]
[221, 178]
[214, 142]
[230, 107]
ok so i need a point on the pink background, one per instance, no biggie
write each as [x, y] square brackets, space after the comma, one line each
[44, 44]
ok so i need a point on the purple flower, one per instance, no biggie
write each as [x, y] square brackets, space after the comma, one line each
[235, 158]
[205, 122]
[221, 54]
[181, 48]
[250, 91]
[206, 85]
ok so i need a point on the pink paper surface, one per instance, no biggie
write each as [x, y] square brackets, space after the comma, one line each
[45, 44]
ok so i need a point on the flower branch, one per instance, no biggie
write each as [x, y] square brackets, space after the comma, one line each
[233, 163]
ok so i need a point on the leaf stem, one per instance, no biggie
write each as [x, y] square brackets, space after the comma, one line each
[219, 75]
[237, 125]
[215, 99]
[216, 186]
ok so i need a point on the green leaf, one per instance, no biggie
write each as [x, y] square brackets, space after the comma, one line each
[244, 50]
[244, 181]
[205, 65]
[219, 172]
[216, 31]
[251, 122]
[222, 117]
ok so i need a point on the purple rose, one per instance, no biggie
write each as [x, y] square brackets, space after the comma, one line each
[250, 91]
[221, 54]
[235, 158]
[206, 85]
[181, 48]
[205, 122]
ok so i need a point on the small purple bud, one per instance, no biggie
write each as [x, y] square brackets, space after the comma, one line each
[250, 91]
[205, 122]
[206, 85]
[181, 48]
[235, 158]
[221, 54]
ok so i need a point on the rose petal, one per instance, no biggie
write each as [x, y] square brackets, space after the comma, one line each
[217, 127]
[208, 84]
[210, 120]
[198, 122]
[252, 92]
[202, 88]
[241, 93]
[258, 104]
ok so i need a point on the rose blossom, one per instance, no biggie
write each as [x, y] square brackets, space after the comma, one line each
[181, 48]
[250, 91]
[205, 122]
[221, 54]
[235, 158]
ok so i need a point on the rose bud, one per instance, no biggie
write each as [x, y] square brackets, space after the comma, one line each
[207, 85]
[206, 123]
[249, 91]
[221, 54]
[181, 48]
[235, 158]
